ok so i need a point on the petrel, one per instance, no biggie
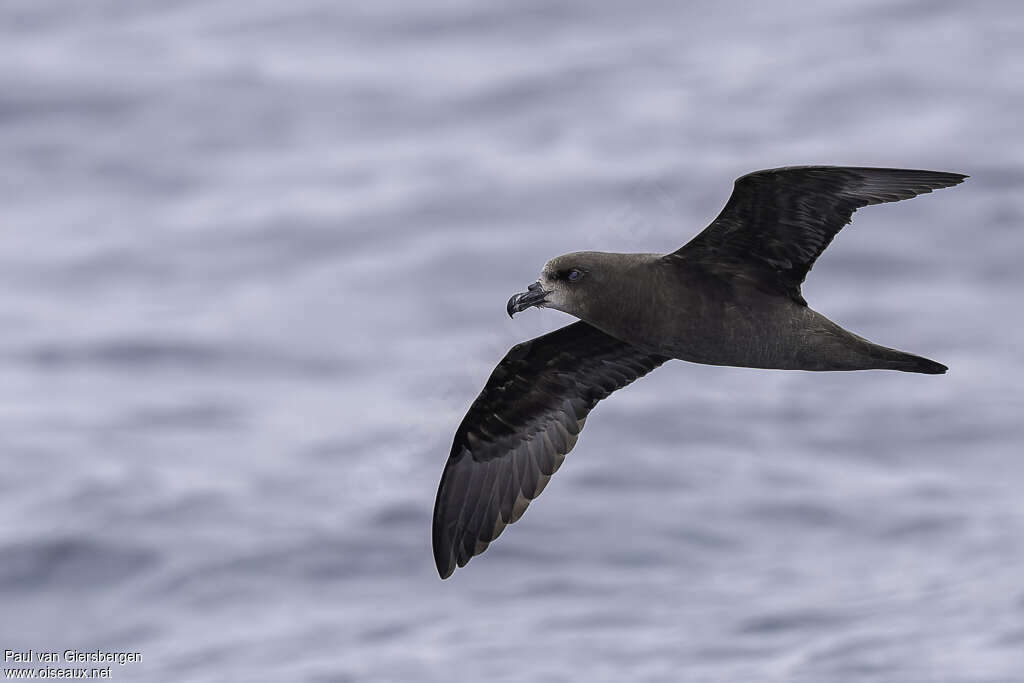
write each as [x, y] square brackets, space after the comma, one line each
[730, 296]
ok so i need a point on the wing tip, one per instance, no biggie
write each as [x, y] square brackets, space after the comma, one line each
[441, 543]
[955, 178]
[948, 178]
[938, 179]
[444, 559]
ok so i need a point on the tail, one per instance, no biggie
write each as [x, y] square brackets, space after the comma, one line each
[908, 362]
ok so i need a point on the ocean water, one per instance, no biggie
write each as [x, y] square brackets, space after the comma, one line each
[254, 259]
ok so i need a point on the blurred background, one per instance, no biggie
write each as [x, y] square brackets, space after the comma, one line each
[254, 259]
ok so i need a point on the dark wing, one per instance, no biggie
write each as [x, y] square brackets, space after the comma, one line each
[778, 221]
[519, 429]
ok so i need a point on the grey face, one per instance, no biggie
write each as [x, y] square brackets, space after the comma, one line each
[558, 287]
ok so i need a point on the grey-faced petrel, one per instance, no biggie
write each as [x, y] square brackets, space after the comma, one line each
[731, 296]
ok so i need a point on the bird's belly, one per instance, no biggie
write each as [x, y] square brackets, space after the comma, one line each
[769, 336]
[743, 343]
[727, 323]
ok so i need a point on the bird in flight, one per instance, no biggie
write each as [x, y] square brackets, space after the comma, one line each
[731, 296]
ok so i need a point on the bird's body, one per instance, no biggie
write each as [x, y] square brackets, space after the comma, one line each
[717, 318]
[730, 296]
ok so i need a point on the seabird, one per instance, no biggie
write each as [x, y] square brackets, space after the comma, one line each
[730, 296]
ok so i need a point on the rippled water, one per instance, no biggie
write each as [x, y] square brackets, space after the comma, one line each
[253, 265]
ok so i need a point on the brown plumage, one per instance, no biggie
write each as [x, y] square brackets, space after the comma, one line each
[731, 296]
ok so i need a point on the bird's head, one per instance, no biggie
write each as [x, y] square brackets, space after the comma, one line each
[566, 284]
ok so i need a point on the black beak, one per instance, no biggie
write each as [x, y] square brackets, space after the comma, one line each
[533, 296]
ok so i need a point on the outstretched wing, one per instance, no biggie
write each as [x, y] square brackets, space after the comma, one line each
[519, 429]
[778, 221]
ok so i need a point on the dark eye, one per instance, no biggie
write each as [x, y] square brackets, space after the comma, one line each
[574, 275]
